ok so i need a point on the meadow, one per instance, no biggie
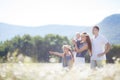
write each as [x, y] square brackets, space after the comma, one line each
[27, 58]
[54, 71]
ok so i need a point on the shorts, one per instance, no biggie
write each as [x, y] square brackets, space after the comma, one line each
[79, 60]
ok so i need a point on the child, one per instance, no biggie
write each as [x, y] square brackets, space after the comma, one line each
[67, 56]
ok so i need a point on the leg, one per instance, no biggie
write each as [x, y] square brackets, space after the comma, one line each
[100, 63]
[93, 64]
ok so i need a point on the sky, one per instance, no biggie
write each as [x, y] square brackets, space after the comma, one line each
[64, 12]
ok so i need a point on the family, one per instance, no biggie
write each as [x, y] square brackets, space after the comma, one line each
[97, 48]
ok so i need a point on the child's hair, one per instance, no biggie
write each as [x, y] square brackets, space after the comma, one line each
[72, 54]
[66, 46]
[70, 50]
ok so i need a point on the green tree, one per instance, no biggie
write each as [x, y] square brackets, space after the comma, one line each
[114, 52]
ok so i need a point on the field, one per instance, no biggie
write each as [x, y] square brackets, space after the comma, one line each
[54, 71]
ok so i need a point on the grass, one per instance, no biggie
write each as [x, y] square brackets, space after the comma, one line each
[54, 71]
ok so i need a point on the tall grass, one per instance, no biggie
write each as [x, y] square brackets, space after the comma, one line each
[54, 71]
[20, 67]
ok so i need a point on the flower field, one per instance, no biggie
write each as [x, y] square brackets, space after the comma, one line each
[54, 71]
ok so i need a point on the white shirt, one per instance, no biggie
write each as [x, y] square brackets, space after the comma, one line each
[98, 46]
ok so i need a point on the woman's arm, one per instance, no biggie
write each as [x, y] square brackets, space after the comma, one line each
[85, 47]
[56, 53]
[75, 45]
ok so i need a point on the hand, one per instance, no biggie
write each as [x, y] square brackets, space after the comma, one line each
[73, 41]
[51, 52]
[101, 54]
[90, 54]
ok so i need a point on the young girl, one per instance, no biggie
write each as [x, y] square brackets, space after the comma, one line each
[67, 56]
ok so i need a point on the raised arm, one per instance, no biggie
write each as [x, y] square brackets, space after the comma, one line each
[85, 47]
[74, 43]
[56, 53]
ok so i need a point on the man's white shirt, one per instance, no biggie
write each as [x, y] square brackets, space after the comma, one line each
[98, 46]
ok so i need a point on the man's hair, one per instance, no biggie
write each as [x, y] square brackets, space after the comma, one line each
[96, 27]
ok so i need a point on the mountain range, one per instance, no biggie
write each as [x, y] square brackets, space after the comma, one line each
[109, 26]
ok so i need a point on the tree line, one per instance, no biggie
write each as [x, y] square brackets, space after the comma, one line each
[37, 47]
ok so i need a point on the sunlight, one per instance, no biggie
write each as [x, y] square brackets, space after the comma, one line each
[65, 12]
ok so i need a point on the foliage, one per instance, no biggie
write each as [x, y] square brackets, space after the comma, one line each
[36, 47]
[113, 54]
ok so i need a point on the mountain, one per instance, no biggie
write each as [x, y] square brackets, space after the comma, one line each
[111, 21]
[8, 31]
[109, 26]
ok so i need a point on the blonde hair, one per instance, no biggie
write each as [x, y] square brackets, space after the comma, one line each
[66, 46]
[77, 33]
[69, 47]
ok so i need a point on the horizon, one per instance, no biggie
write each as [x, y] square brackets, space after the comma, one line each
[35, 13]
[16, 25]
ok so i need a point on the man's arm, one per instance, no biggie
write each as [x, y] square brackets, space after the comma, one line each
[107, 49]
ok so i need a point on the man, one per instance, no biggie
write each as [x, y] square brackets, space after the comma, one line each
[100, 47]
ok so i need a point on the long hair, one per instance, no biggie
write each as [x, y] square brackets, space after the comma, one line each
[72, 58]
[88, 42]
[71, 54]
[69, 48]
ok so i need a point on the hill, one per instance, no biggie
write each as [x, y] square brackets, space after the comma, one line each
[110, 27]
[9, 31]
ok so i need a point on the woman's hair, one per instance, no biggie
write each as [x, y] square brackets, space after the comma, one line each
[88, 41]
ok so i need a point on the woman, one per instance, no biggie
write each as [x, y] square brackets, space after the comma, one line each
[83, 48]
[67, 56]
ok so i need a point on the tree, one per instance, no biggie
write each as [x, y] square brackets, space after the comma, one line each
[114, 52]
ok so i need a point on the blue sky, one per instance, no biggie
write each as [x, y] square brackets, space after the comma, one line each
[64, 12]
